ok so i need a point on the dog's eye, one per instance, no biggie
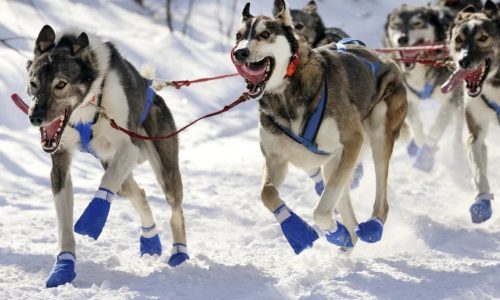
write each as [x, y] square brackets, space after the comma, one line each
[483, 38]
[33, 85]
[239, 36]
[396, 25]
[458, 40]
[299, 26]
[417, 24]
[266, 34]
[60, 85]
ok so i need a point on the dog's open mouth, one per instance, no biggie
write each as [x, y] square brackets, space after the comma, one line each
[256, 75]
[51, 133]
[473, 77]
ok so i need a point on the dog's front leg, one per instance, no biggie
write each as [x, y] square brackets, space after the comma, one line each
[478, 158]
[62, 189]
[95, 215]
[338, 173]
[297, 232]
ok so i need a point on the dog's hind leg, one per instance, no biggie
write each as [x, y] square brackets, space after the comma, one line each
[93, 219]
[62, 188]
[150, 241]
[383, 126]
[297, 232]
[164, 159]
[478, 159]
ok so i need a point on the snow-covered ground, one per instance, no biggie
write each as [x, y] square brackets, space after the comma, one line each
[430, 248]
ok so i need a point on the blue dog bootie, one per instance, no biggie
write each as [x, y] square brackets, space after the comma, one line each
[425, 158]
[370, 231]
[179, 255]
[150, 241]
[356, 176]
[94, 217]
[412, 148]
[316, 176]
[481, 210]
[63, 270]
[297, 232]
[340, 236]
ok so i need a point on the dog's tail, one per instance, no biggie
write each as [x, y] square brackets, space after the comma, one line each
[148, 71]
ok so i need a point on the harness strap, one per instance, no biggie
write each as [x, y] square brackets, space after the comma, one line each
[492, 105]
[341, 47]
[150, 95]
[425, 93]
[308, 138]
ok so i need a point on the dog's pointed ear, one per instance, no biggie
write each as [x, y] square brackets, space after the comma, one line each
[45, 40]
[470, 9]
[80, 43]
[283, 14]
[246, 12]
[311, 7]
[491, 9]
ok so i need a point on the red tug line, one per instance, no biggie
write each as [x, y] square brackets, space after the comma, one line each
[438, 62]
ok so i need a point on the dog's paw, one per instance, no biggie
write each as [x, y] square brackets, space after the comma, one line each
[340, 237]
[319, 187]
[481, 210]
[93, 219]
[356, 176]
[370, 231]
[425, 158]
[63, 270]
[179, 255]
[297, 232]
[150, 246]
[412, 148]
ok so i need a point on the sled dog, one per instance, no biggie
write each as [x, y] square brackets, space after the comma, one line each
[72, 78]
[317, 108]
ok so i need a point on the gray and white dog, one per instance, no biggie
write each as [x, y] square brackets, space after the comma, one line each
[475, 49]
[309, 25]
[73, 78]
[317, 108]
[425, 25]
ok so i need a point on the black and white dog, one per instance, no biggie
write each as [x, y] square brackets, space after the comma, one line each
[309, 25]
[72, 78]
[475, 49]
[425, 25]
[313, 114]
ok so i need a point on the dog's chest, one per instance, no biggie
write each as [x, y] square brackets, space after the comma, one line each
[289, 150]
[480, 110]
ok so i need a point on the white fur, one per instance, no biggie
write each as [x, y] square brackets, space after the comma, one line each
[281, 52]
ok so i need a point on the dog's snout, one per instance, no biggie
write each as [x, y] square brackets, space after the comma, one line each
[37, 115]
[403, 40]
[242, 54]
[464, 63]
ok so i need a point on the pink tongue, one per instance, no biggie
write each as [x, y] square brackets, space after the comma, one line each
[253, 76]
[456, 79]
[51, 128]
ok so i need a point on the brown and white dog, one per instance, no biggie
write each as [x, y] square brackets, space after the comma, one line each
[358, 96]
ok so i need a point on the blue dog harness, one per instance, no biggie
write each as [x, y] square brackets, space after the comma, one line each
[425, 93]
[310, 132]
[85, 130]
[492, 105]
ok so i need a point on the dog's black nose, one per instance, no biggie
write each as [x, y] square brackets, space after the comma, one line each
[242, 54]
[37, 116]
[403, 40]
[464, 63]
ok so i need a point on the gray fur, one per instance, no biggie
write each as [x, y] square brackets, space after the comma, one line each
[81, 64]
